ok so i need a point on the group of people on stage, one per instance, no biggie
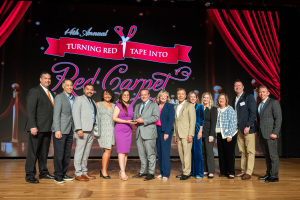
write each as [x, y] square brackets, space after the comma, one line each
[194, 125]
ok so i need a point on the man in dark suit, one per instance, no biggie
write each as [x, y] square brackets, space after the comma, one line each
[63, 128]
[39, 122]
[269, 121]
[245, 108]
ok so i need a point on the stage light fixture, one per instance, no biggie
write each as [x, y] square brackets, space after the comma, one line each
[209, 3]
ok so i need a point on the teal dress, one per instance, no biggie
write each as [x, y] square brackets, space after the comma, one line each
[197, 157]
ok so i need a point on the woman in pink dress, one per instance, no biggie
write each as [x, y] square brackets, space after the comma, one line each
[122, 115]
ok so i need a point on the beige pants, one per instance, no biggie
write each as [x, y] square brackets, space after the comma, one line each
[246, 146]
[185, 154]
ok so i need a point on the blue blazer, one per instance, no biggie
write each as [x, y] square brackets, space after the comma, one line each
[167, 117]
[246, 112]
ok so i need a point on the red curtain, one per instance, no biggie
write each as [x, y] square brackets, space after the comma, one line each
[252, 37]
[11, 13]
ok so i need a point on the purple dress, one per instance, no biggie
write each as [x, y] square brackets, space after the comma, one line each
[123, 132]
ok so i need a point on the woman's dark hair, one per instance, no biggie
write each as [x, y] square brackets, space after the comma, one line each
[110, 93]
[121, 100]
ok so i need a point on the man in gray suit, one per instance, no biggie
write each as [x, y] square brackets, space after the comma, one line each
[85, 122]
[269, 120]
[63, 131]
[146, 114]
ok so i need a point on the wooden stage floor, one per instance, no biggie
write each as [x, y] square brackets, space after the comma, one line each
[13, 185]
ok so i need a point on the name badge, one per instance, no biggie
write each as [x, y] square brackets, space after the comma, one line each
[242, 103]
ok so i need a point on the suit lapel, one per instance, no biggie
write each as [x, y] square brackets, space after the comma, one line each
[265, 105]
[176, 107]
[146, 107]
[66, 99]
[242, 97]
[182, 108]
[45, 96]
[86, 99]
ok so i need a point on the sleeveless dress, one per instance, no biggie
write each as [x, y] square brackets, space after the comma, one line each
[106, 126]
[123, 132]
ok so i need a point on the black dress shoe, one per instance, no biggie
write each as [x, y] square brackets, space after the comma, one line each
[272, 179]
[263, 177]
[47, 176]
[68, 178]
[179, 176]
[139, 175]
[105, 177]
[59, 180]
[184, 177]
[31, 180]
[149, 177]
[223, 175]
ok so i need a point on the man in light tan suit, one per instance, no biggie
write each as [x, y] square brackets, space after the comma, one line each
[184, 131]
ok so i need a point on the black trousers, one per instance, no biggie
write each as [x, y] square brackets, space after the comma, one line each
[37, 150]
[208, 155]
[226, 151]
[62, 153]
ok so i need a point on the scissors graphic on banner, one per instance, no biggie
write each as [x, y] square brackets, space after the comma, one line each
[132, 31]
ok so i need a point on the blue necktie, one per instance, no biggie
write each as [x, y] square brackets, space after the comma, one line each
[261, 107]
[143, 106]
[71, 100]
[93, 109]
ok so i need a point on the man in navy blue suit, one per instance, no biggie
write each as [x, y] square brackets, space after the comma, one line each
[245, 107]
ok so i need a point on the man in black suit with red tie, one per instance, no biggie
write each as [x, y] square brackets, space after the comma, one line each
[40, 101]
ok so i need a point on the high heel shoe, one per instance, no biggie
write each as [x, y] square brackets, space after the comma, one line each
[105, 177]
[123, 177]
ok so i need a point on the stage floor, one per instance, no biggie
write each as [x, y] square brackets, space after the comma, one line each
[14, 186]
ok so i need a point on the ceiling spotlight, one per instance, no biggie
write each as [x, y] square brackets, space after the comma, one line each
[209, 3]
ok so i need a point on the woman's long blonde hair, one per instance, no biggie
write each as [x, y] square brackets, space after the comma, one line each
[211, 101]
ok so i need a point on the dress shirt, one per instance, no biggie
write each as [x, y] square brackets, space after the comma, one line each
[45, 89]
[71, 99]
[179, 108]
[143, 106]
[260, 105]
[237, 98]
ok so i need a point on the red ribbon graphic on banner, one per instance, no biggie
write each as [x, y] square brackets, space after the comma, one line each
[170, 55]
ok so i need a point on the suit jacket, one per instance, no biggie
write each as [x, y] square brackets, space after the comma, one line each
[167, 116]
[246, 112]
[184, 124]
[39, 110]
[150, 115]
[62, 116]
[83, 114]
[210, 121]
[270, 119]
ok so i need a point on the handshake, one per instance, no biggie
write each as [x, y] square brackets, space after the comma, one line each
[136, 121]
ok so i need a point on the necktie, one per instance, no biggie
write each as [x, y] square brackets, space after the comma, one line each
[71, 100]
[261, 107]
[94, 109]
[143, 106]
[48, 93]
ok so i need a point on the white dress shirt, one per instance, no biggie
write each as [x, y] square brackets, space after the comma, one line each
[45, 89]
[260, 105]
[179, 108]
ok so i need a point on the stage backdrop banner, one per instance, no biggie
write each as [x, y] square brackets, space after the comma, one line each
[111, 47]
